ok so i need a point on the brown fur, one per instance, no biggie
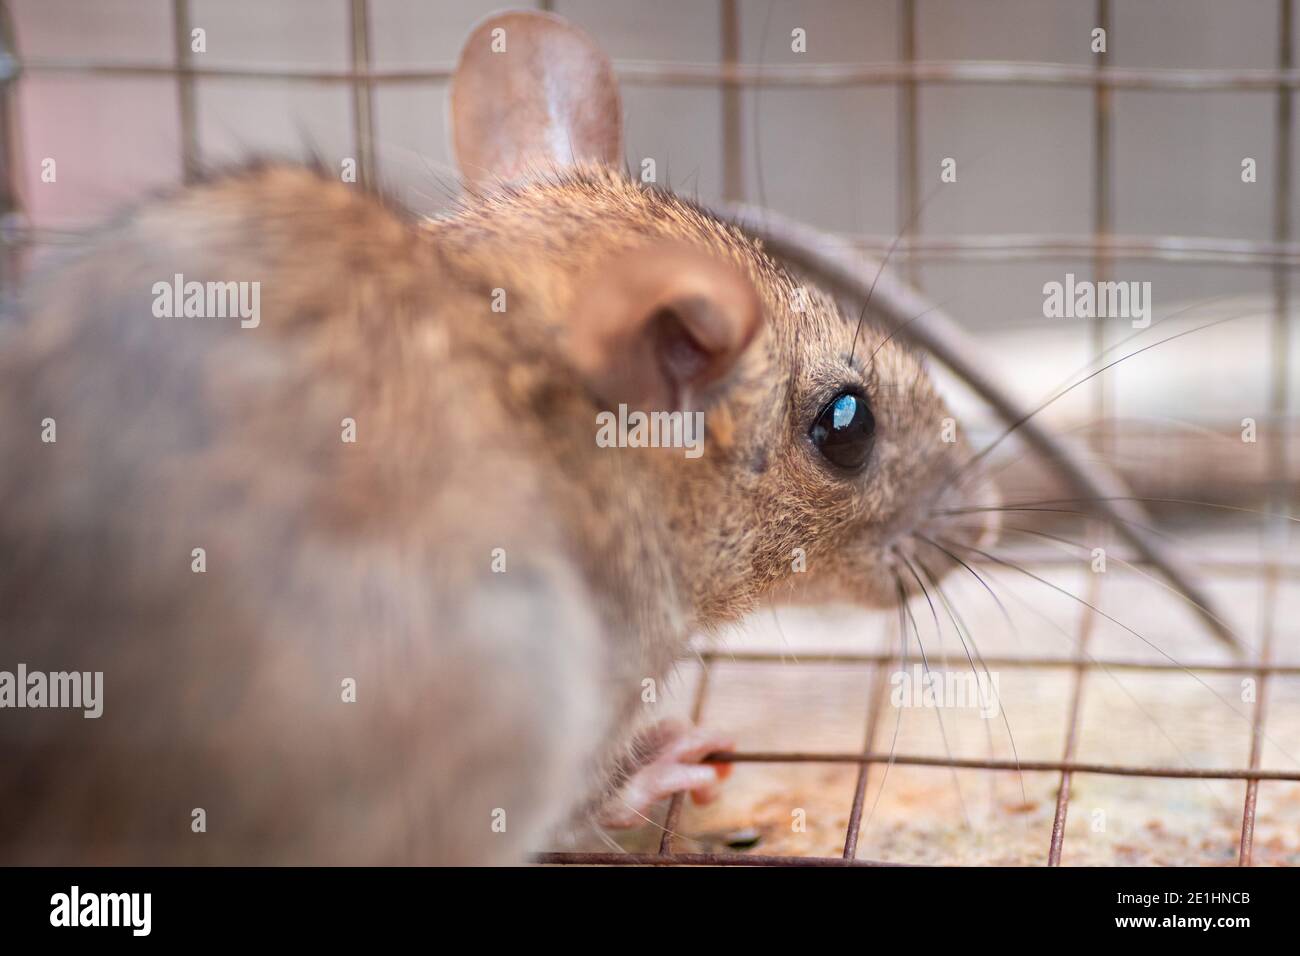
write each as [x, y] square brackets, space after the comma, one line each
[327, 560]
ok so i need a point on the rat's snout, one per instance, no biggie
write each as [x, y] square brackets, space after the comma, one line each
[950, 527]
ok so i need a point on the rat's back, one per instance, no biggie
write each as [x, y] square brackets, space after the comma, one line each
[275, 534]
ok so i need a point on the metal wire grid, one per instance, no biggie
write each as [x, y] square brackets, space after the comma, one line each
[1281, 253]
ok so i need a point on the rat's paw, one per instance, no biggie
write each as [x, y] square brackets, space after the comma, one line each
[673, 766]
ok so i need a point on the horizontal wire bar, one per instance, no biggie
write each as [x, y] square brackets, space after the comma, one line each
[955, 71]
[701, 859]
[1235, 566]
[972, 763]
[1029, 663]
[985, 247]
[652, 72]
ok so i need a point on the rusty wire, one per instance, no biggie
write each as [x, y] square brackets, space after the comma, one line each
[1280, 253]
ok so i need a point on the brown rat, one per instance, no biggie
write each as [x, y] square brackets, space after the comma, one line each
[490, 583]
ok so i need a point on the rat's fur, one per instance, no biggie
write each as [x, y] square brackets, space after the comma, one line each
[477, 692]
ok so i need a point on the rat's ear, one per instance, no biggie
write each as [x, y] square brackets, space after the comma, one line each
[531, 91]
[656, 326]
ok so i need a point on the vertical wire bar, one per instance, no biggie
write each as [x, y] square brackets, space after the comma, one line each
[1278, 397]
[11, 218]
[732, 174]
[675, 804]
[876, 698]
[730, 29]
[1101, 227]
[1269, 599]
[363, 100]
[1102, 202]
[185, 96]
[1282, 229]
[1087, 624]
[909, 199]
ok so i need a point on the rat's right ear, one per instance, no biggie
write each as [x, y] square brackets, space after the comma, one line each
[658, 327]
[532, 91]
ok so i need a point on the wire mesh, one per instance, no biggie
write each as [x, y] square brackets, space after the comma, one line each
[1280, 254]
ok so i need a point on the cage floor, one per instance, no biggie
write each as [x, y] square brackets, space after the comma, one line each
[805, 694]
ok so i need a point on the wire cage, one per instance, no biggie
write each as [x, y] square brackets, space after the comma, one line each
[907, 75]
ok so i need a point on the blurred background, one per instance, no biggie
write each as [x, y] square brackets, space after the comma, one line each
[838, 134]
[1125, 165]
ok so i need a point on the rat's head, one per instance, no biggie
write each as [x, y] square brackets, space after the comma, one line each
[827, 458]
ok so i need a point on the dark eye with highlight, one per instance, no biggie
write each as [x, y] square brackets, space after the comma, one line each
[845, 431]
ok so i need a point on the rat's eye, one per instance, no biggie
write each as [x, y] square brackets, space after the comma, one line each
[844, 431]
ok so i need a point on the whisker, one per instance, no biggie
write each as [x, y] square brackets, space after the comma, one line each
[1082, 650]
[880, 270]
[1096, 610]
[1026, 505]
[898, 717]
[959, 624]
[898, 328]
[1008, 509]
[938, 711]
[1014, 426]
[1132, 567]
[785, 643]
[975, 574]
[889, 253]
[1115, 458]
[610, 843]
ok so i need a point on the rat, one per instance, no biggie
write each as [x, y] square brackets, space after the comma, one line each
[316, 486]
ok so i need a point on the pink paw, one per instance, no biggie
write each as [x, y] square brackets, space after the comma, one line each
[673, 766]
